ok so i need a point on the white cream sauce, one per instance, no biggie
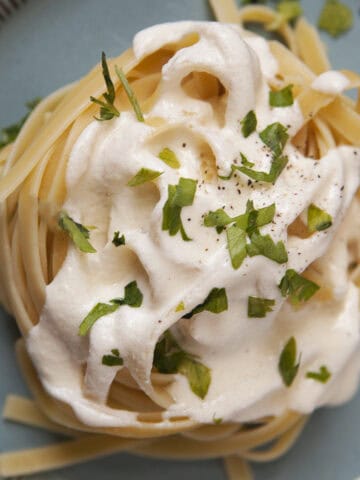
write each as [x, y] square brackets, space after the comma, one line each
[242, 352]
[331, 82]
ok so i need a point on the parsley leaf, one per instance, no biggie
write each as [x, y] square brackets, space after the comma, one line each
[117, 240]
[133, 298]
[282, 98]
[130, 94]
[112, 360]
[77, 232]
[198, 375]
[318, 219]
[287, 10]
[287, 363]
[107, 107]
[275, 137]
[169, 157]
[218, 218]
[100, 310]
[217, 421]
[142, 176]
[277, 166]
[265, 245]
[322, 375]
[180, 307]
[248, 123]
[259, 307]
[298, 288]
[170, 358]
[215, 302]
[245, 161]
[179, 196]
[236, 240]
[9, 134]
[335, 18]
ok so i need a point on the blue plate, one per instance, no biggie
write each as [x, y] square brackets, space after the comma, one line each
[44, 45]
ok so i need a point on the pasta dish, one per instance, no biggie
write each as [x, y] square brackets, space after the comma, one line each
[189, 283]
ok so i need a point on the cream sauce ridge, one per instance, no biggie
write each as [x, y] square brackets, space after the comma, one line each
[242, 352]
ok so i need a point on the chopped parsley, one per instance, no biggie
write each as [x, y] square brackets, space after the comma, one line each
[288, 363]
[245, 161]
[281, 98]
[100, 310]
[112, 360]
[215, 302]
[217, 421]
[78, 233]
[169, 157]
[179, 196]
[335, 18]
[259, 307]
[130, 94]
[133, 298]
[247, 224]
[265, 245]
[170, 358]
[248, 123]
[180, 307]
[277, 166]
[236, 241]
[142, 176]
[322, 376]
[9, 134]
[107, 107]
[318, 219]
[297, 288]
[275, 137]
[117, 240]
[288, 10]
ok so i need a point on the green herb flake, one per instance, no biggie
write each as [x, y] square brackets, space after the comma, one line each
[245, 161]
[169, 157]
[322, 376]
[180, 307]
[236, 241]
[287, 10]
[277, 166]
[288, 367]
[215, 302]
[218, 218]
[170, 358]
[297, 288]
[217, 421]
[112, 360]
[282, 98]
[248, 123]
[179, 196]
[335, 18]
[117, 240]
[265, 245]
[318, 219]
[198, 375]
[77, 232]
[10, 133]
[275, 137]
[133, 296]
[142, 176]
[107, 107]
[130, 94]
[100, 310]
[259, 307]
